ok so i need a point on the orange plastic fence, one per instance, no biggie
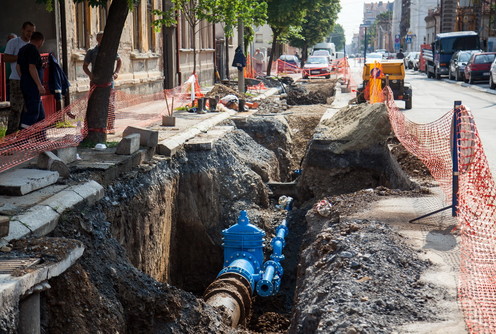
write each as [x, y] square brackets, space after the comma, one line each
[476, 204]
[68, 127]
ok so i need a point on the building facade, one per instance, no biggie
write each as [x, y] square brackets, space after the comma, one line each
[151, 60]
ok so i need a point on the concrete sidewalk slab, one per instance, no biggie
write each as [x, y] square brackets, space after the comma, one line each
[19, 182]
[13, 205]
[170, 146]
[206, 141]
[12, 288]
[42, 218]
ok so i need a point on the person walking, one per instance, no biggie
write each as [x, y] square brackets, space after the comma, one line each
[400, 54]
[259, 58]
[16, 99]
[30, 68]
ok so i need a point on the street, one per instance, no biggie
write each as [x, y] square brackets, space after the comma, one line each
[433, 98]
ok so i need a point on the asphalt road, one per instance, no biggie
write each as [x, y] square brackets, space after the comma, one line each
[433, 98]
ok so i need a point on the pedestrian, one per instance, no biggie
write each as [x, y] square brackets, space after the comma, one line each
[9, 37]
[90, 58]
[259, 58]
[297, 55]
[7, 68]
[15, 95]
[30, 68]
[400, 54]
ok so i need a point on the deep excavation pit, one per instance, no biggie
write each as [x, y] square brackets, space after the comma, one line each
[153, 244]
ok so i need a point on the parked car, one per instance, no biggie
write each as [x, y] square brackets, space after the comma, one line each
[492, 75]
[373, 56]
[458, 62]
[317, 66]
[288, 63]
[324, 53]
[478, 67]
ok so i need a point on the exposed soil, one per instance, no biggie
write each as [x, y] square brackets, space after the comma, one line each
[222, 90]
[359, 277]
[340, 275]
[312, 92]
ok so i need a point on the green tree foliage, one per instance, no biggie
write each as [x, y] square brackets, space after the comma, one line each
[228, 12]
[338, 37]
[317, 24]
[282, 16]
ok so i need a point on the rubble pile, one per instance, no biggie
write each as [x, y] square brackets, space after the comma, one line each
[222, 90]
[358, 277]
[314, 92]
[272, 105]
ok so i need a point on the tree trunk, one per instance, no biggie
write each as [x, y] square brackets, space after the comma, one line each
[275, 36]
[193, 39]
[304, 54]
[98, 103]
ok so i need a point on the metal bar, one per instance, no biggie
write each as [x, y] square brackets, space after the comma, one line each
[454, 156]
[430, 214]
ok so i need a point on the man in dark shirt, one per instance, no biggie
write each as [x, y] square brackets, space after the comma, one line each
[29, 66]
[400, 54]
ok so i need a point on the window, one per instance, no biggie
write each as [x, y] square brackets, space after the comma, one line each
[206, 35]
[82, 20]
[185, 32]
[103, 13]
[136, 28]
[151, 31]
[258, 38]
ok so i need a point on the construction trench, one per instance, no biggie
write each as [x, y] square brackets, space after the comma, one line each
[153, 245]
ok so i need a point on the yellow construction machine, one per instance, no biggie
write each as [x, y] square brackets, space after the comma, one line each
[391, 73]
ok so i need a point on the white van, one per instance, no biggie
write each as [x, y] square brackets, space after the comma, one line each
[330, 47]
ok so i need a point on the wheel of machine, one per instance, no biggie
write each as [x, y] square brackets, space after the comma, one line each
[436, 75]
[360, 98]
[328, 76]
[492, 85]
[408, 103]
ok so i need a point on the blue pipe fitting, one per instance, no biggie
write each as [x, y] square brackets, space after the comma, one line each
[243, 249]
[271, 280]
[243, 254]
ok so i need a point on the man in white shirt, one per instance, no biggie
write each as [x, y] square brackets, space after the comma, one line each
[10, 56]
[259, 58]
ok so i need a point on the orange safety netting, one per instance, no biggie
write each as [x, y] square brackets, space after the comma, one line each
[249, 70]
[476, 203]
[68, 127]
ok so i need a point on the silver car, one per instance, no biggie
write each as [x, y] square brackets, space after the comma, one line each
[492, 75]
[458, 62]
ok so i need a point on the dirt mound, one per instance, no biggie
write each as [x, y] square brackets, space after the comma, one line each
[358, 277]
[412, 165]
[222, 90]
[311, 93]
[357, 127]
[349, 153]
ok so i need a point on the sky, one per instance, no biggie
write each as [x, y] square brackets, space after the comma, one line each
[351, 16]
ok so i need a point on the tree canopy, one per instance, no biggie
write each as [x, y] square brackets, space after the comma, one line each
[337, 37]
[317, 24]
